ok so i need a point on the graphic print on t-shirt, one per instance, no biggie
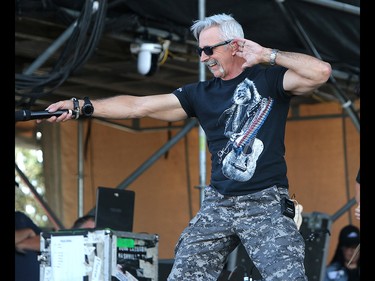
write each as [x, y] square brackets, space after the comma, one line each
[242, 122]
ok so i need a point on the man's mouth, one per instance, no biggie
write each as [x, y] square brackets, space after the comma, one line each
[211, 63]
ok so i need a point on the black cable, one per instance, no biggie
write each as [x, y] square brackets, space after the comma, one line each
[77, 50]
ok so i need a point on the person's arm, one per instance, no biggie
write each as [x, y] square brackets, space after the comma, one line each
[357, 210]
[22, 234]
[305, 73]
[26, 239]
[357, 192]
[164, 107]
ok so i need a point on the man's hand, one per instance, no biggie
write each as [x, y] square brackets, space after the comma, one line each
[66, 104]
[357, 212]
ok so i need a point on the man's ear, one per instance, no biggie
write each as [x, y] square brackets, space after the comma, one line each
[234, 45]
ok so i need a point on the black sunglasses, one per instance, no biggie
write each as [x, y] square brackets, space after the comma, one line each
[209, 50]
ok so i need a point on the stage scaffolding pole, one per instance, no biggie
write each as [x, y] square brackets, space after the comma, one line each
[202, 135]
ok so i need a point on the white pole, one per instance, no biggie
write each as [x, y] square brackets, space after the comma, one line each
[202, 135]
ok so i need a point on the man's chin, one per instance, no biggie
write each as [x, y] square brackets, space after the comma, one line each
[218, 72]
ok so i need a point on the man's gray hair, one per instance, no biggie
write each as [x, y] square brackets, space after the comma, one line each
[228, 26]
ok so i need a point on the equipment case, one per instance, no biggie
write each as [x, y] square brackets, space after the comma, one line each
[98, 255]
[315, 229]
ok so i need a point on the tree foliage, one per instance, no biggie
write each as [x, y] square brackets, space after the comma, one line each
[30, 162]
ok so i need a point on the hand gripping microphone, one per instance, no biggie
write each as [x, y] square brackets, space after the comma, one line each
[26, 115]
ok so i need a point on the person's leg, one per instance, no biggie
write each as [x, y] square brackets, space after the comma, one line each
[271, 239]
[205, 244]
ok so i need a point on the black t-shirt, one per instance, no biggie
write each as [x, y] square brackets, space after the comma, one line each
[353, 274]
[244, 121]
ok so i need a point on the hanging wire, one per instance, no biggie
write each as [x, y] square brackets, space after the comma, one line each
[76, 51]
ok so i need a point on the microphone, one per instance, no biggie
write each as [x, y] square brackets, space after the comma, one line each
[26, 115]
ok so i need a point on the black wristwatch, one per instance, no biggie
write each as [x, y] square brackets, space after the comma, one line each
[87, 108]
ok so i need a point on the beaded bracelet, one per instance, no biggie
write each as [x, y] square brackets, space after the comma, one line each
[75, 107]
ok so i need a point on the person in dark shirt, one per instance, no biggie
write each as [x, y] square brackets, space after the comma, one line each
[27, 248]
[243, 111]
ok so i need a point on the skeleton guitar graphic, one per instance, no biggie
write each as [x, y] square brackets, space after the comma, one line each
[243, 120]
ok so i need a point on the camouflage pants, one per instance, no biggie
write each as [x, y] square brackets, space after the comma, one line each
[271, 239]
